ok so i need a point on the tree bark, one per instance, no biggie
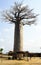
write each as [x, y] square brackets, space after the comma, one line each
[18, 38]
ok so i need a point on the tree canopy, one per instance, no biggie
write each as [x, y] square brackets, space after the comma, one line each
[1, 49]
[20, 13]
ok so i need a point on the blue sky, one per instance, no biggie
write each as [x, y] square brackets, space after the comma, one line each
[31, 34]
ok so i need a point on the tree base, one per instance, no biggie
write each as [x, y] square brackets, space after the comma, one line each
[14, 56]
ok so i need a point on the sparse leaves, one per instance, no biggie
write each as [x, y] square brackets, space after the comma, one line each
[18, 13]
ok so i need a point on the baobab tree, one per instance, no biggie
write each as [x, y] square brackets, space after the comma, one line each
[20, 15]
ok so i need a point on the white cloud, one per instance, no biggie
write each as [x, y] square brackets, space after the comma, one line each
[38, 28]
[12, 28]
[2, 47]
[6, 30]
[1, 40]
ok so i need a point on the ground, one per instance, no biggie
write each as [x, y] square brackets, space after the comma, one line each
[33, 61]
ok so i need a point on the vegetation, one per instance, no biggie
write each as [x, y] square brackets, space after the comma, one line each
[20, 15]
[1, 49]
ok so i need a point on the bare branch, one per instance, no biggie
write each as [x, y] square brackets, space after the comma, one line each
[28, 17]
[29, 22]
[18, 13]
[8, 17]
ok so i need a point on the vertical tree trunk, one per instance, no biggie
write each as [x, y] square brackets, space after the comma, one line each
[18, 39]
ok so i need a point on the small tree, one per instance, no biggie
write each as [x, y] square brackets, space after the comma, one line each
[1, 49]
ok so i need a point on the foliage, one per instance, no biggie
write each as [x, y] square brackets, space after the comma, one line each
[1, 49]
[19, 14]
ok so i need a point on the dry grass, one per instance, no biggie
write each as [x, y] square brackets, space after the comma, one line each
[33, 61]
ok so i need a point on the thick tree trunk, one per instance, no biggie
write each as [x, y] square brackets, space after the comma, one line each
[18, 38]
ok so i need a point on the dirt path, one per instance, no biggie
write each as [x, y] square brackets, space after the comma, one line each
[33, 61]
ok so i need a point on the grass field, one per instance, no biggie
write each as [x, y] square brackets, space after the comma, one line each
[33, 61]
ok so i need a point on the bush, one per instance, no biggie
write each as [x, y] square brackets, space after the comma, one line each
[9, 58]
